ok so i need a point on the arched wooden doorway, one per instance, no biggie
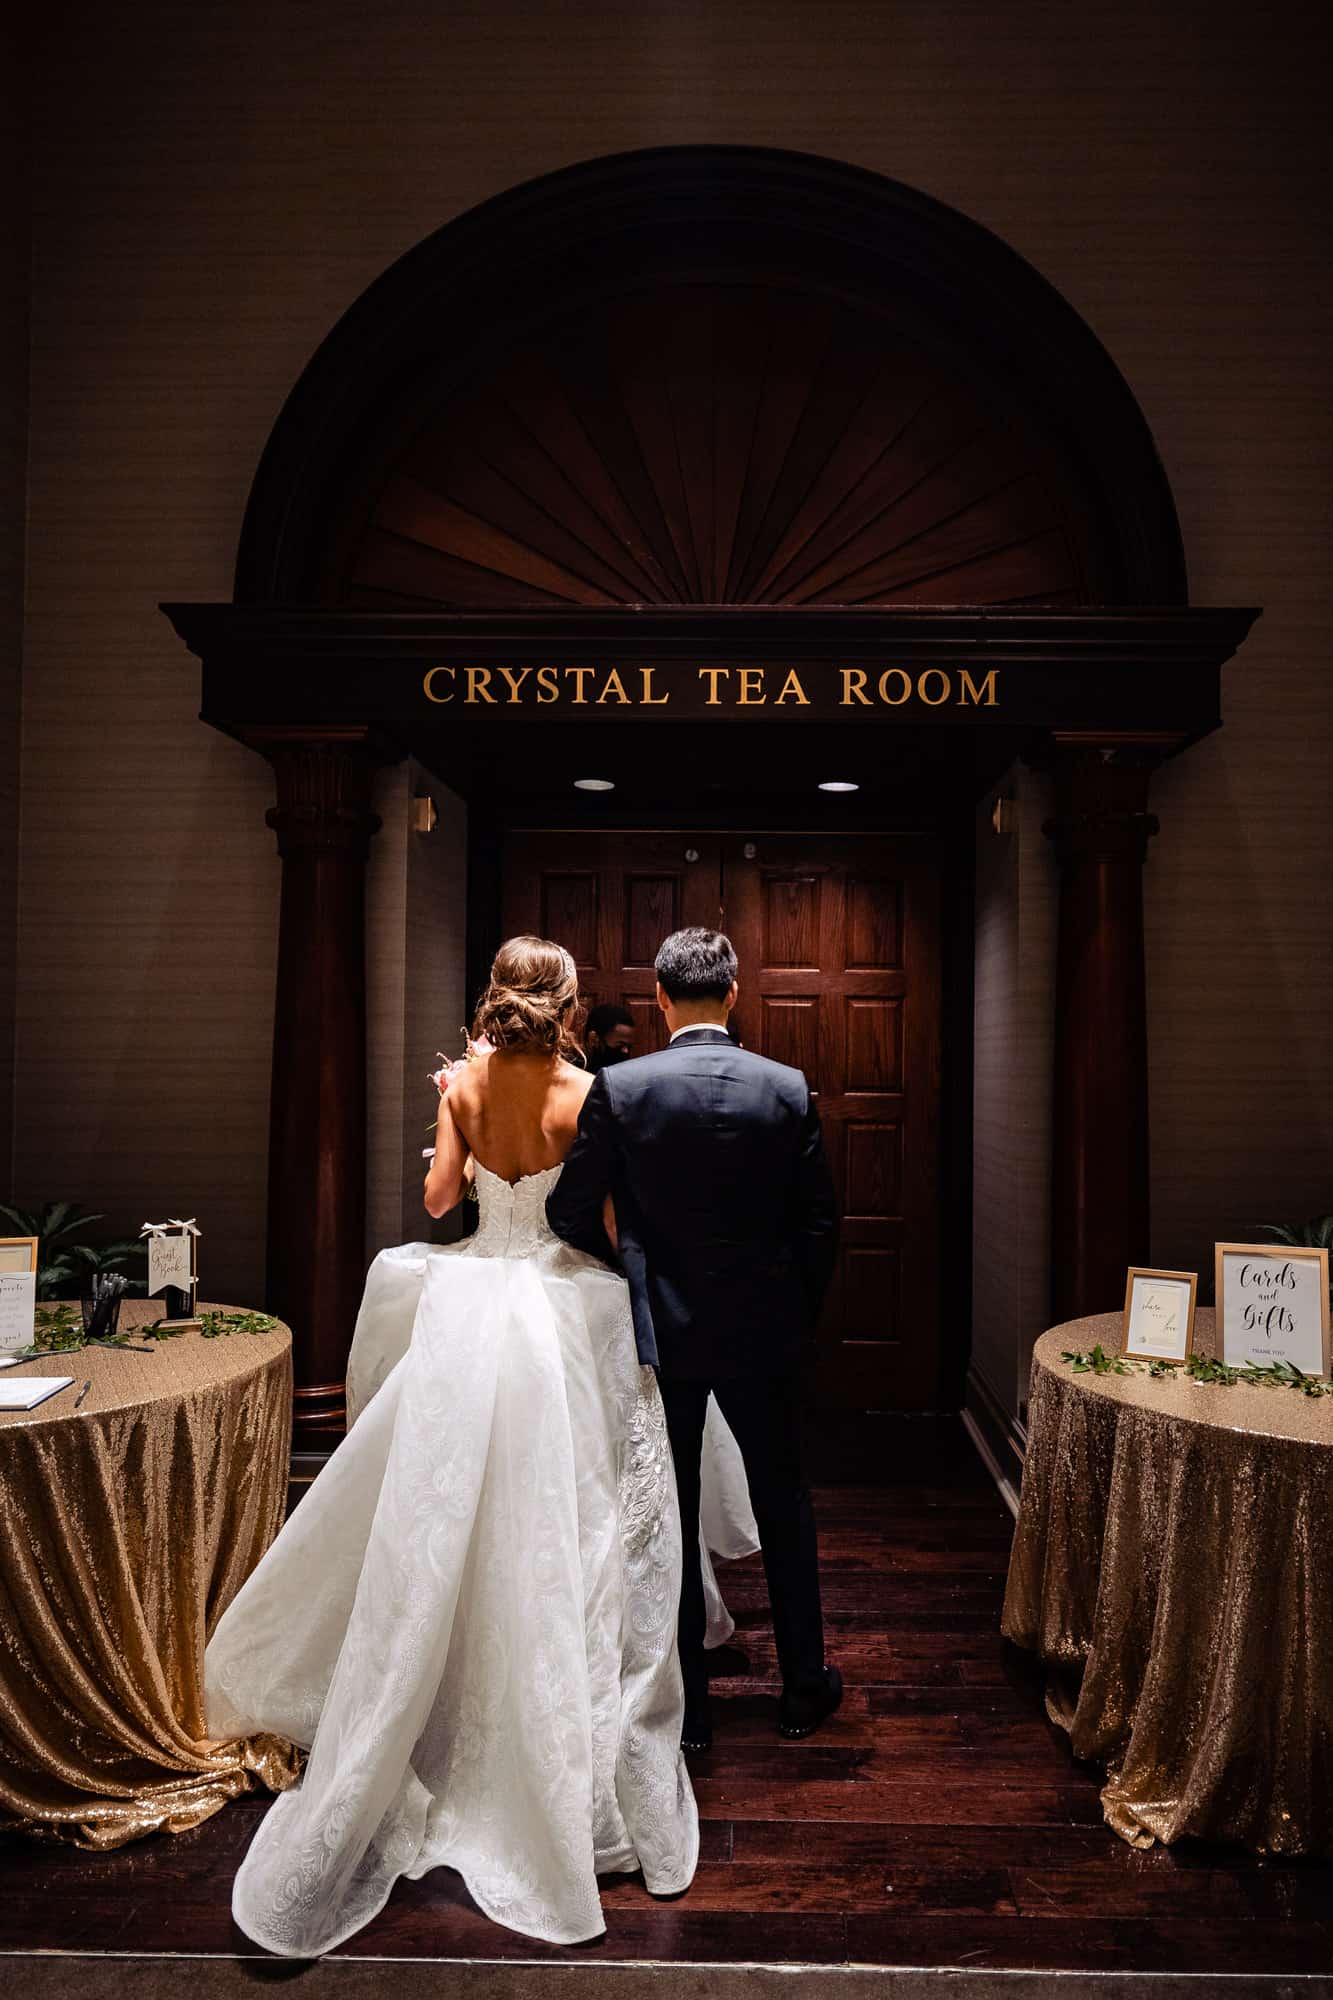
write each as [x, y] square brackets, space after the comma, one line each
[710, 375]
[691, 411]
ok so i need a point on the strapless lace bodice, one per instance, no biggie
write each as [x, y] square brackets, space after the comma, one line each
[513, 1213]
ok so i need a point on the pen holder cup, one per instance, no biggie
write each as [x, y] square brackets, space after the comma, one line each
[101, 1308]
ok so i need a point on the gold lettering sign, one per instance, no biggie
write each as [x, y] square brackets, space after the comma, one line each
[696, 690]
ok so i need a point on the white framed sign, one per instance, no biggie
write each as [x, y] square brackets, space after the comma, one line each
[1272, 1305]
[18, 1292]
[1159, 1314]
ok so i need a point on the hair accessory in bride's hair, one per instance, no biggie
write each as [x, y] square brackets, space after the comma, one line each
[531, 998]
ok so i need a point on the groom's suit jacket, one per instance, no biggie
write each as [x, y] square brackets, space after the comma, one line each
[724, 1204]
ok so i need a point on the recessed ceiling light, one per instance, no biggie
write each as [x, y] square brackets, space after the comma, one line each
[838, 785]
[594, 784]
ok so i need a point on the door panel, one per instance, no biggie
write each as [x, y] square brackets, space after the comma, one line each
[569, 909]
[610, 899]
[838, 940]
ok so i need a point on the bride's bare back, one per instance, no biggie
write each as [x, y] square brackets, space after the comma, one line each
[516, 1111]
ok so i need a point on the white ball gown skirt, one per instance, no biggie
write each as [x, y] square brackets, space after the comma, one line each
[470, 1618]
[383, 1333]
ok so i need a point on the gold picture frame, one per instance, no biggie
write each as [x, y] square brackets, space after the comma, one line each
[18, 1253]
[1242, 1341]
[1158, 1323]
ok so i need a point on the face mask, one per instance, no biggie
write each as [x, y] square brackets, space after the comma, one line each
[604, 1057]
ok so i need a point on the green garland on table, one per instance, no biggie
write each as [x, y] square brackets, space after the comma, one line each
[211, 1324]
[214, 1322]
[59, 1330]
[1199, 1368]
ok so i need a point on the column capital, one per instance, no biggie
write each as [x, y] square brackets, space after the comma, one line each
[324, 782]
[1101, 793]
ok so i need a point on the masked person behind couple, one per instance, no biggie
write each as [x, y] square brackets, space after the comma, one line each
[608, 1036]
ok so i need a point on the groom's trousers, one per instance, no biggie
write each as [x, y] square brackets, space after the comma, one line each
[764, 1416]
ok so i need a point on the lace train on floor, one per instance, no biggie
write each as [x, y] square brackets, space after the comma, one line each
[471, 1616]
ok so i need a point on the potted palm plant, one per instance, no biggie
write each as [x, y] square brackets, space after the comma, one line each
[65, 1260]
[1314, 1235]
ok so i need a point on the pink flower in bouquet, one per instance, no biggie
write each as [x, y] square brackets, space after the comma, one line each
[444, 1075]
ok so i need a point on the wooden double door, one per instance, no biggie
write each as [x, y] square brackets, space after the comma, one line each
[838, 938]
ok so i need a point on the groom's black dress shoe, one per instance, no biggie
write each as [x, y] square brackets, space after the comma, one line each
[696, 1731]
[801, 1714]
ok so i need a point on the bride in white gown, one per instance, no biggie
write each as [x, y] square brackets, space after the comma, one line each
[470, 1618]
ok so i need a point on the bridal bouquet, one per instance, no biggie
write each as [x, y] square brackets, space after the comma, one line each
[444, 1075]
[449, 1068]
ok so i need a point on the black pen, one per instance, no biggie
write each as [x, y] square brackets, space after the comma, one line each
[83, 1392]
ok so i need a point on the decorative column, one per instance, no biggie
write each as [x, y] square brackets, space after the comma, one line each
[317, 1134]
[1101, 828]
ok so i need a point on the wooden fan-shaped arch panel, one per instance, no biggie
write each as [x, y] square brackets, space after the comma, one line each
[745, 443]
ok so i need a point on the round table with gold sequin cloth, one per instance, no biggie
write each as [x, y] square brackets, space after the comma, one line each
[1173, 1567]
[128, 1526]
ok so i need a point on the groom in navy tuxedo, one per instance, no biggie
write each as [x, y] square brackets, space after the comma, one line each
[727, 1226]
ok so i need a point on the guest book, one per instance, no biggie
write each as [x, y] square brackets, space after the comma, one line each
[30, 1390]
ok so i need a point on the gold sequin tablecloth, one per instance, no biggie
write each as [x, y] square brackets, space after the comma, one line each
[126, 1528]
[1173, 1567]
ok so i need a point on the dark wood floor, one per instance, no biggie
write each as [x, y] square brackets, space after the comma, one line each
[939, 1820]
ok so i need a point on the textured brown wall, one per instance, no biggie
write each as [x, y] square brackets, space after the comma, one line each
[435, 996]
[14, 258]
[1016, 903]
[416, 921]
[999, 1031]
[386, 1006]
[216, 185]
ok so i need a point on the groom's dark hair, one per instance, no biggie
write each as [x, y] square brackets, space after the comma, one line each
[696, 965]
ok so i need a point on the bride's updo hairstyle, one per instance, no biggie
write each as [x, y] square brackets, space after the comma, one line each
[531, 999]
